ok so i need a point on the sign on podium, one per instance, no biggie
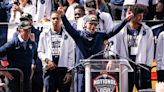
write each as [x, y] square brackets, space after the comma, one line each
[106, 75]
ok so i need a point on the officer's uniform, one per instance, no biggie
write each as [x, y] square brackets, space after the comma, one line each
[19, 56]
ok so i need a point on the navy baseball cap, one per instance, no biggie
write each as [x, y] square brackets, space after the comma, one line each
[25, 25]
[91, 18]
[26, 16]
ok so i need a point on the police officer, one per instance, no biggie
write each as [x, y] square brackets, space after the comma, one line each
[37, 80]
[21, 53]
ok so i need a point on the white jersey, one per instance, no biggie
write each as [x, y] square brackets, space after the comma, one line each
[44, 8]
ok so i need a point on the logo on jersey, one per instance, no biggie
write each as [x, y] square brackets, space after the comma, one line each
[42, 1]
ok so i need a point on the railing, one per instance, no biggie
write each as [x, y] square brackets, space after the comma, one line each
[21, 75]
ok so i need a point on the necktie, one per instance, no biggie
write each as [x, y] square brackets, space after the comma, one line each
[24, 44]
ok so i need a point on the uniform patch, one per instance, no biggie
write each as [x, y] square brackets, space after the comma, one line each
[30, 46]
[65, 37]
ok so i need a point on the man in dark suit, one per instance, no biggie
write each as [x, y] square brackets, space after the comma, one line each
[37, 80]
[36, 75]
[21, 53]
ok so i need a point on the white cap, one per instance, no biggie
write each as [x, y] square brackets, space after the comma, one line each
[132, 2]
[129, 2]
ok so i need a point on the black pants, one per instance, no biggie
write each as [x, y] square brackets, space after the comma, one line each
[53, 80]
[160, 75]
[15, 86]
[140, 77]
[37, 82]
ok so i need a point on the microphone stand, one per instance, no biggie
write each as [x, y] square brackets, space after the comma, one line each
[139, 68]
[92, 56]
[108, 45]
[130, 60]
[87, 68]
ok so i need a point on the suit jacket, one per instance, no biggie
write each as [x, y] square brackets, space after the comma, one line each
[18, 56]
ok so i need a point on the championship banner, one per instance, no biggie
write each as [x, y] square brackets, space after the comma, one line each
[105, 82]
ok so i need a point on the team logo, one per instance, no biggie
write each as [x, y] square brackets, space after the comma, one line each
[65, 37]
[104, 83]
[144, 33]
[42, 1]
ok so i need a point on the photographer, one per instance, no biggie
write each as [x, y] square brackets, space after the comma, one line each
[19, 7]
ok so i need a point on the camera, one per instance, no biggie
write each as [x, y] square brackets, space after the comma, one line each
[63, 2]
[16, 2]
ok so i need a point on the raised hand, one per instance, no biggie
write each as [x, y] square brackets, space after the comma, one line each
[61, 9]
[129, 14]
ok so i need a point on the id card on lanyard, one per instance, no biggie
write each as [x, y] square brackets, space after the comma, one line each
[134, 50]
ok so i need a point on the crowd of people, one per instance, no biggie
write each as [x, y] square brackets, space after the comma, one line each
[11, 10]
[78, 29]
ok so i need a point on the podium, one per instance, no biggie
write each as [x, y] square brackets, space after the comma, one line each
[104, 81]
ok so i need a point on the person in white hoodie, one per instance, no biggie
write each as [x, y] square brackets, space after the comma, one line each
[56, 49]
[160, 57]
[135, 41]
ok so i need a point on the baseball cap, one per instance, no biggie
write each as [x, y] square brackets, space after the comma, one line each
[25, 16]
[132, 2]
[90, 5]
[91, 19]
[25, 25]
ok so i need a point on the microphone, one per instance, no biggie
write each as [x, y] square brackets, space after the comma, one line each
[108, 45]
